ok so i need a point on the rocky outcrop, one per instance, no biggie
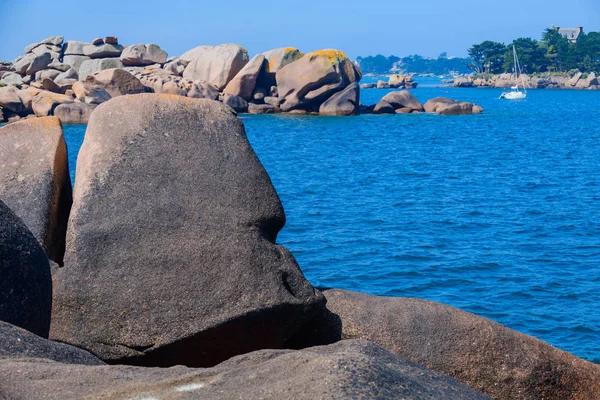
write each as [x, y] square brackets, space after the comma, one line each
[279, 58]
[217, 65]
[445, 106]
[244, 82]
[116, 82]
[35, 181]
[346, 102]
[143, 54]
[76, 113]
[307, 82]
[26, 286]
[45, 102]
[209, 213]
[476, 351]
[90, 67]
[349, 370]
[402, 102]
[542, 81]
[102, 51]
[87, 92]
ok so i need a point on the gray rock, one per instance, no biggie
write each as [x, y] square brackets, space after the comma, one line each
[6, 66]
[279, 58]
[39, 63]
[383, 107]
[274, 101]
[21, 64]
[210, 213]
[59, 66]
[215, 64]
[90, 67]
[73, 47]
[35, 183]
[444, 106]
[368, 85]
[346, 102]
[402, 102]
[44, 103]
[12, 78]
[47, 74]
[236, 102]
[75, 61]
[10, 100]
[76, 113]
[176, 67]
[98, 41]
[203, 90]
[143, 54]
[262, 109]
[117, 82]
[259, 94]
[70, 74]
[48, 84]
[103, 51]
[26, 285]
[348, 370]
[53, 50]
[90, 93]
[476, 351]
[244, 82]
[52, 40]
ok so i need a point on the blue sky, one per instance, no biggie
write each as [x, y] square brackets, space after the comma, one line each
[401, 28]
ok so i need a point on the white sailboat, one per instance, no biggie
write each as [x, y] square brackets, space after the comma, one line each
[515, 93]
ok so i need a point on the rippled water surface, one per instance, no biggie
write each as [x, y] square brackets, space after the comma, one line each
[496, 213]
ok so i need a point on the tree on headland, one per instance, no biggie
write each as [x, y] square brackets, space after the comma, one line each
[532, 56]
[487, 57]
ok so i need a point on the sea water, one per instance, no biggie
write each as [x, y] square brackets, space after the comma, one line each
[497, 213]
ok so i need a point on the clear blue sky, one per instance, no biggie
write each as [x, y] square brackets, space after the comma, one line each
[426, 27]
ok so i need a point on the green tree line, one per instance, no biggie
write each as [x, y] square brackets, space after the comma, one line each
[441, 65]
[553, 53]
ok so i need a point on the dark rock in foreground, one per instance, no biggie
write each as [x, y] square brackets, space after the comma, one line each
[35, 181]
[347, 370]
[25, 282]
[476, 351]
[171, 242]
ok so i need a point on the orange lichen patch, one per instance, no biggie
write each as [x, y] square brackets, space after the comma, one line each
[334, 56]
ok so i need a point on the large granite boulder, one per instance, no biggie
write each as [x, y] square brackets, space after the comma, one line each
[215, 64]
[346, 102]
[102, 51]
[52, 41]
[45, 102]
[73, 47]
[90, 67]
[445, 106]
[11, 78]
[116, 82]
[21, 63]
[348, 370]
[279, 58]
[35, 181]
[171, 255]
[26, 285]
[476, 351]
[89, 93]
[307, 82]
[143, 54]
[76, 61]
[402, 102]
[76, 113]
[39, 63]
[244, 82]
[10, 100]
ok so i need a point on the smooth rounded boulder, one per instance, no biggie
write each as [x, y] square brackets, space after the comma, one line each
[350, 370]
[143, 54]
[402, 102]
[91, 66]
[217, 65]
[76, 113]
[244, 82]
[26, 285]
[116, 82]
[171, 244]
[476, 351]
[342, 103]
[307, 82]
[35, 181]
[445, 106]
[279, 58]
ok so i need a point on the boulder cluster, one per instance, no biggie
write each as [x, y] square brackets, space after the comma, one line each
[159, 276]
[395, 81]
[548, 81]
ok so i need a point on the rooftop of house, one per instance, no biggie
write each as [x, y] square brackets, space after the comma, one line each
[570, 33]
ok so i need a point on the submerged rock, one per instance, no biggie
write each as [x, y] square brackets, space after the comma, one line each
[171, 255]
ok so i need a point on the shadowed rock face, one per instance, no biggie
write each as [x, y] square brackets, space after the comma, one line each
[35, 181]
[25, 282]
[445, 106]
[348, 370]
[476, 351]
[171, 243]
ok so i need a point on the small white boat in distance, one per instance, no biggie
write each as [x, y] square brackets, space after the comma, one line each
[515, 93]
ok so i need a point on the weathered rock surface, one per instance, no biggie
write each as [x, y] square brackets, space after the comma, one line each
[244, 82]
[74, 47]
[90, 67]
[11, 78]
[117, 82]
[476, 351]
[21, 63]
[236, 102]
[445, 106]
[348, 370]
[44, 103]
[171, 242]
[39, 63]
[262, 109]
[10, 100]
[47, 74]
[52, 40]
[35, 181]
[76, 113]
[103, 50]
[346, 102]
[401, 102]
[143, 54]
[75, 61]
[215, 64]
[26, 285]
[279, 58]
[312, 79]
[90, 93]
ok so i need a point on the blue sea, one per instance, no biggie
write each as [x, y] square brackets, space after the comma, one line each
[497, 213]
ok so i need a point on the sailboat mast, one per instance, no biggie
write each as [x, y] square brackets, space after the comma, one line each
[515, 67]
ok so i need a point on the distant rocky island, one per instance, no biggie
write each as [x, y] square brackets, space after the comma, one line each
[69, 79]
[575, 80]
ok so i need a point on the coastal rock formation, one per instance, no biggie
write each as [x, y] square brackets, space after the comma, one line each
[217, 65]
[346, 102]
[476, 351]
[45, 102]
[10, 100]
[279, 58]
[76, 113]
[236, 102]
[34, 179]
[172, 259]
[116, 82]
[89, 93]
[349, 370]
[102, 51]
[143, 54]
[445, 106]
[244, 82]
[90, 67]
[307, 82]
[26, 285]
[402, 102]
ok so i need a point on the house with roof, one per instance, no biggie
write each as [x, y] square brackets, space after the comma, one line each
[571, 34]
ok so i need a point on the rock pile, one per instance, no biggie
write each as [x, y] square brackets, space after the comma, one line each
[547, 81]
